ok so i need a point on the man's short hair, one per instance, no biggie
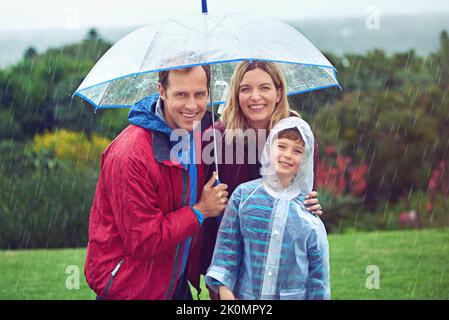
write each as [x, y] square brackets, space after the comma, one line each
[163, 75]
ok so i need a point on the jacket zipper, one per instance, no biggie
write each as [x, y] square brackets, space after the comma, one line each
[179, 246]
[111, 279]
[175, 272]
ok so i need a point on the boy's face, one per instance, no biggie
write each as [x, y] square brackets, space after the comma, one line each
[286, 156]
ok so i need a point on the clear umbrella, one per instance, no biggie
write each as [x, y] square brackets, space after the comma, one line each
[128, 72]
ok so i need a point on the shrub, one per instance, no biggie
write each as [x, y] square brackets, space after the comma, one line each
[337, 209]
[47, 188]
[71, 146]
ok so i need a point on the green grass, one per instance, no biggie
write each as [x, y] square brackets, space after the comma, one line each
[412, 265]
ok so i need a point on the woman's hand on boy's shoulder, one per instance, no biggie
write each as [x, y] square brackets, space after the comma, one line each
[312, 204]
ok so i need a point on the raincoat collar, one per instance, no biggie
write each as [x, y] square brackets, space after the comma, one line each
[143, 114]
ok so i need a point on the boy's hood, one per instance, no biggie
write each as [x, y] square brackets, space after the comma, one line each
[303, 181]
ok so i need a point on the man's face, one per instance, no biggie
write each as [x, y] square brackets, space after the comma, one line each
[185, 97]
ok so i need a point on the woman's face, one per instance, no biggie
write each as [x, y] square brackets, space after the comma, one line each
[258, 97]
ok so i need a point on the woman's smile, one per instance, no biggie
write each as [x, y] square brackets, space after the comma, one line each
[257, 107]
[258, 97]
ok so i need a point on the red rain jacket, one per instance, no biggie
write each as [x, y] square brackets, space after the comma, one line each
[140, 219]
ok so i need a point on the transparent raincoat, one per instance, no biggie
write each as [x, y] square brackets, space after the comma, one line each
[268, 245]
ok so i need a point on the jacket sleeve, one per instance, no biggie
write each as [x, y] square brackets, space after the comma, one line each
[318, 255]
[145, 230]
[228, 251]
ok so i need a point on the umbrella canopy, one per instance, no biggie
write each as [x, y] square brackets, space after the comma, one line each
[128, 71]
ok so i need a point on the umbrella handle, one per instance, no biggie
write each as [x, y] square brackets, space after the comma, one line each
[204, 6]
[217, 182]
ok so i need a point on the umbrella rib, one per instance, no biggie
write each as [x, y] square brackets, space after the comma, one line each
[187, 27]
[240, 40]
[147, 52]
[217, 23]
[143, 61]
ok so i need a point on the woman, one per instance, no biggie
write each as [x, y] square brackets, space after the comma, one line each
[257, 101]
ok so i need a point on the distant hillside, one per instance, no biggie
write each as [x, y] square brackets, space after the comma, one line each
[396, 34]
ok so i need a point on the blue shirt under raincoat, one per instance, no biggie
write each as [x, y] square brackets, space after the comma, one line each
[268, 245]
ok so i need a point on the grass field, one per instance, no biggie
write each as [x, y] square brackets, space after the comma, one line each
[412, 265]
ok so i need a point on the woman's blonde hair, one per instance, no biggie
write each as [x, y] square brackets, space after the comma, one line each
[233, 118]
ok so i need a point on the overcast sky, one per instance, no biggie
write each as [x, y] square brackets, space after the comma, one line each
[73, 14]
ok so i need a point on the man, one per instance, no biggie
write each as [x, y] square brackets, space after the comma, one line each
[147, 205]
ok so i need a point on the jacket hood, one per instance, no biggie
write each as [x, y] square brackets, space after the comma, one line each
[303, 181]
[142, 114]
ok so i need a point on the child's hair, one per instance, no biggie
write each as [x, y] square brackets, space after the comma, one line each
[291, 134]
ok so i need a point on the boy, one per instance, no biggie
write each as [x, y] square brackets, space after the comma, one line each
[268, 245]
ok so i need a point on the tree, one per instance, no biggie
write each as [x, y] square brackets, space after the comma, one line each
[30, 53]
[396, 136]
[443, 60]
[36, 94]
[93, 35]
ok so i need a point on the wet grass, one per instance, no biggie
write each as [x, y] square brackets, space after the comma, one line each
[41, 274]
[411, 264]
